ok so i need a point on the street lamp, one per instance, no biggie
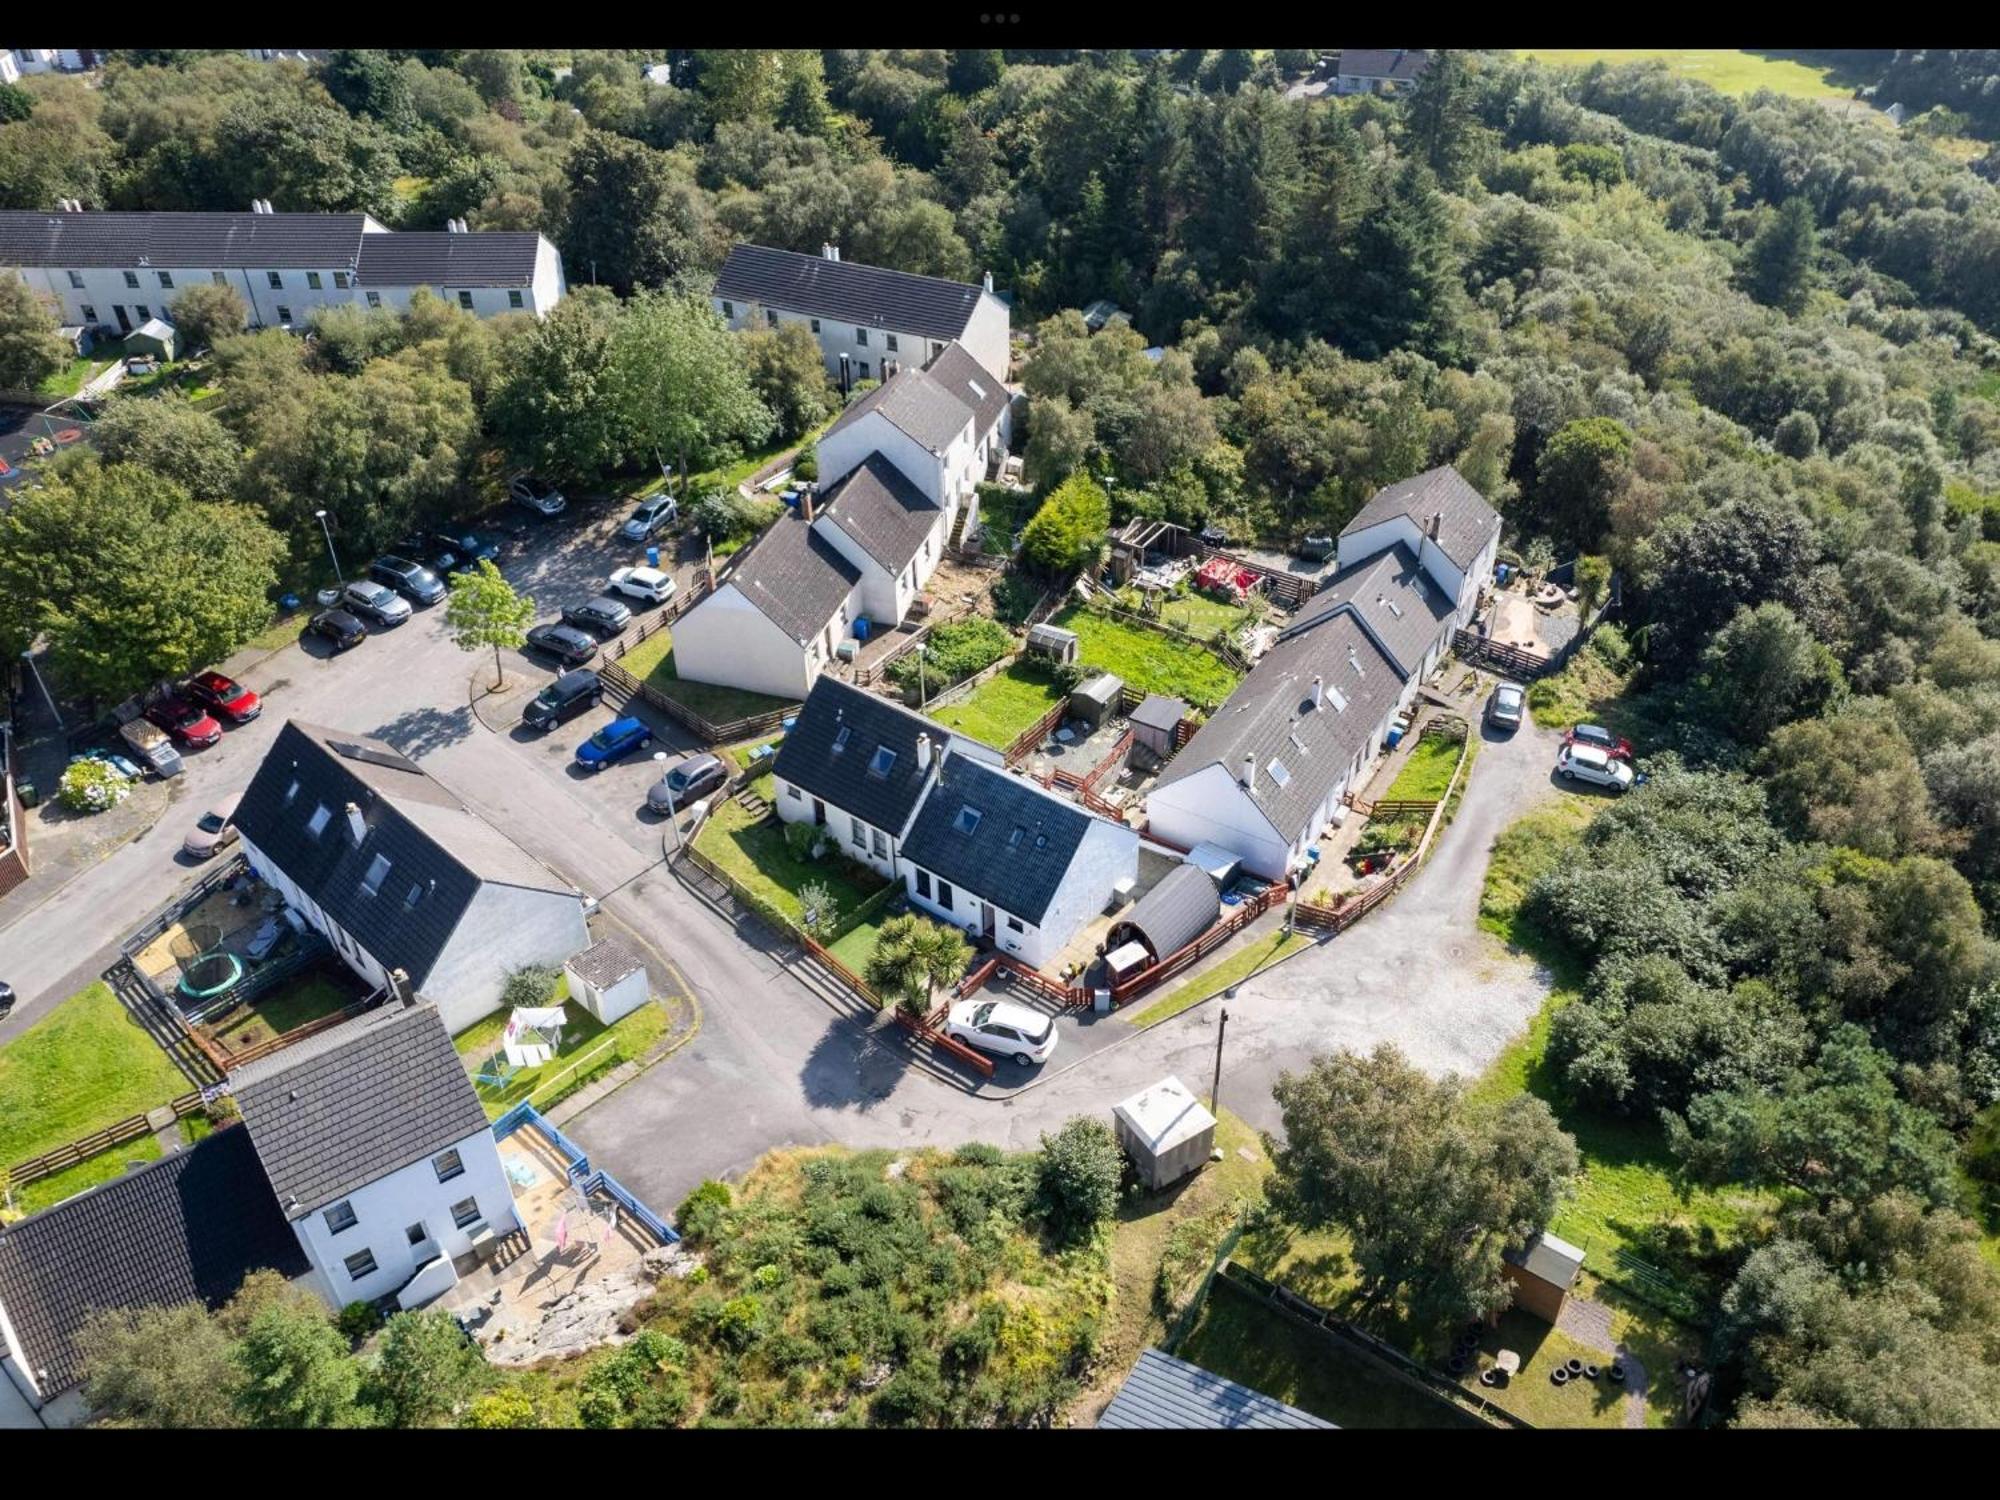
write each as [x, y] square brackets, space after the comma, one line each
[327, 531]
[843, 373]
[673, 813]
[1215, 1093]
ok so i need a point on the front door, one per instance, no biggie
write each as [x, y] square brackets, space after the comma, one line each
[986, 918]
[819, 812]
[124, 321]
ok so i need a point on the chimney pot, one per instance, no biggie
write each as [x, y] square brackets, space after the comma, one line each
[1249, 773]
[1319, 690]
[830, 252]
[923, 752]
[988, 281]
[806, 504]
[356, 824]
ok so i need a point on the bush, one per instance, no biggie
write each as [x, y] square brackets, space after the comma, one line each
[701, 1212]
[358, 1319]
[806, 466]
[952, 652]
[819, 907]
[93, 786]
[729, 516]
[1014, 598]
[531, 986]
[1079, 1171]
[740, 1322]
[807, 840]
[1069, 531]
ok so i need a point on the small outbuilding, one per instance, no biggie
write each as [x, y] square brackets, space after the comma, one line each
[1176, 911]
[155, 336]
[1154, 722]
[1164, 1393]
[1542, 1271]
[608, 979]
[1097, 699]
[1053, 642]
[1165, 1131]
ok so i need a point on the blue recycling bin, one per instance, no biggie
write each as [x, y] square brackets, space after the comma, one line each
[652, 557]
[861, 628]
[1395, 736]
[1502, 572]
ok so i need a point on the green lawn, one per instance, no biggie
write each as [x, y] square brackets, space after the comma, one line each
[46, 1192]
[731, 475]
[1532, 1397]
[753, 850]
[589, 1047]
[283, 1009]
[1426, 775]
[70, 378]
[1148, 660]
[281, 632]
[1523, 850]
[1200, 615]
[1235, 969]
[1001, 708]
[652, 662]
[743, 754]
[85, 1065]
[1727, 70]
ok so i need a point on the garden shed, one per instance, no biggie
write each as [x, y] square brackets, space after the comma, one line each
[1053, 642]
[1097, 699]
[608, 979]
[1165, 1131]
[1543, 1271]
[1172, 914]
[1154, 723]
[154, 336]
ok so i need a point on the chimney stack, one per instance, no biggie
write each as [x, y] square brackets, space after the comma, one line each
[923, 752]
[806, 504]
[988, 281]
[829, 252]
[1319, 690]
[356, 824]
[402, 989]
[1437, 523]
[1250, 773]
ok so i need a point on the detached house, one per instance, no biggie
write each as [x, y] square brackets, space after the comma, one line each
[1379, 70]
[868, 314]
[397, 873]
[895, 472]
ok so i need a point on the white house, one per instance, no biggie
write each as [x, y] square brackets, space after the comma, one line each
[397, 873]
[1454, 533]
[896, 472]
[48, 60]
[119, 269]
[868, 314]
[380, 1154]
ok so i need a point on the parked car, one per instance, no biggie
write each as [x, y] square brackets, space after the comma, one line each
[338, 626]
[215, 832]
[649, 584]
[653, 514]
[1614, 745]
[1504, 708]
[127, 768]
[567, 644]
[538, 495]
[6, 1001]
[1590, 764]
[617, 739]
[1001, 1026]
[375, 601]
[603, 614]
[189, 724]
[413, 581]
[565, 698]
[686, 781]
[449, 551]
[226, 696]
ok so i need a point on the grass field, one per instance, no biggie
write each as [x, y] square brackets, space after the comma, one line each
[46, 1192]
[1148, 660]
[1002, 707]
[589, 1047]
[284, 1009]
[1727, 71]
[70, 378]
[1232, 970]
[652, 662]
[85, 1065]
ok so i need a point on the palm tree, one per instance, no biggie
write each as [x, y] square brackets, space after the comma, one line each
[913, 957]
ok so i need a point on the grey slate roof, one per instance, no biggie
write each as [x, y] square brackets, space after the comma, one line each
[1022, 847]
[606, 961]
[185, 1229]
[1548, 1259]
[348, 1107]
[795, 576]
[921, 406]
[868, 296]
[1159, 712]
[972, 383]
[1399, 63]
[1404, 610]
[1164, 1392]
[886, 515]
[219, 241]
[1272, 707]
[807, 759]
[440, 258]
[1178, 909]
[1466, 521]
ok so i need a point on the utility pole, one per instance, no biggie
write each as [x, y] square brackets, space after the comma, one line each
[1215, 1092]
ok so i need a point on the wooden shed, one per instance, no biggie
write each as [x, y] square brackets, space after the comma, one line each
[1154, 722]
[1543, 1271]
[1053, 642]
[1096, 700]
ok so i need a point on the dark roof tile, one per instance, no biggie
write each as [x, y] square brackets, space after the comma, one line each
[219, 241]
[1019, 851]
[440, 258]
[869, 296]
[795, 576]
[1466, 523]
[886, 515]
[1164, 1392]
[808, 760]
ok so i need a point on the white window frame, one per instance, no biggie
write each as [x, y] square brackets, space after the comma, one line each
[275, 280]
[457, 1165]
[218, 278]
[166, 280]
[340, 281]
[860, 338]
[514, 298]
[285, 315]
[312, 281]
[465, 300]
[321, 816]
[374, 299]
[131, 278]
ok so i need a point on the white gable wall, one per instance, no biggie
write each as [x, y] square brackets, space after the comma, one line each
[726, 639]
[507, 927]
[986, 334]
[1108, 853]
[840, 453]
[1211, 807]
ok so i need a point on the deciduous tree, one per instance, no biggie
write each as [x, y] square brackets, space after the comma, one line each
[30, 348]
[483, 610]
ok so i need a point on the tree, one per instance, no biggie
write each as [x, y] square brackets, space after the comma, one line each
[1577, 474]
[1060, 439]
[306, 157]
[1602, 166]
[802, 108]
[130, 579]
[555, 413]
[1778, 266]
[484, 610]
[369, 83]
[973, 70]
[165, 1367]
[206, 312]
[428, 1370]
[296, 1370]
[788, 373]
[1077, 1178]
[633, 221]
[1764, 669]
[172, 438]
[1593, 577]
[912, 957]
[15, 103]
[680, 382]
[819, 907]
[1850, 778]
[1068, 531]
[1441, 120]
[31, 350]
[1431, 1189]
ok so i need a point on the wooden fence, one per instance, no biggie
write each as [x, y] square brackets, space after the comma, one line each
[623, 686]
[129, 1129]
[1029, 740]
[1249, 911]
[1483, 651]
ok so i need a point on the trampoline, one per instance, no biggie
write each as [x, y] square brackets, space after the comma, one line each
[212, 974]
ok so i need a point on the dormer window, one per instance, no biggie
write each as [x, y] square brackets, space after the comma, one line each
[967, 820]
[378, 871]
[316, 824]
[882, 762]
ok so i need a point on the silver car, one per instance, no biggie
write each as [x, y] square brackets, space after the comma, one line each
[1504, 708]
[215, 832]
[383, 605]
[654, 512]
[537, 495]
[686, 782]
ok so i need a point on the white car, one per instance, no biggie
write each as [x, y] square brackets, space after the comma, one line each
[654, 512]
[1588, 763]
[1001, 1026]
[537, 494]
[649, 584]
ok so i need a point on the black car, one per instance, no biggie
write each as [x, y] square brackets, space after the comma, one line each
[604, 614]
[565, 698]
[413, 581]
[338, 626]
[6, 1000]
[450, 551]
[565, 643]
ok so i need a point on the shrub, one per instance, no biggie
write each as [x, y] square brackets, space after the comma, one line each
[807, 840]
[358, 1319]
[1079, 1171]
[953, 652]
[531, 986]
[913, 1397]
[740, 1320]
[93, 786]
[819, 906]
[1069, 530]
[806, 466]
[701, 1212]
[727, 515]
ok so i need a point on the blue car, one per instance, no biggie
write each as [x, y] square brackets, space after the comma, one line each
[618, 738]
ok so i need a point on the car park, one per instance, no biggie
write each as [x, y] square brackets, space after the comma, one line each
[413, 581]
[567, 644]
[652, 515]
[686, 781]
[604, 614]
[215, 832]
[538, 495]
[615, 740]
[226, 697]
[1587, 763]
[376, 602]
[1027, 1036]
[1505, 707]
[1613, 745]
[649, 584]
[339, 627]
[191, 726]
[565, 698]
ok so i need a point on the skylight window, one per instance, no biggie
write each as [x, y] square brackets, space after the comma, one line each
[977, 389]
[840, 737]
[378, 871]
[316, 824]
[291, 791]
[416, 895]
[968, 818]
[882, 762]
[1334, 696]
[1278, 772]
[1014, 838]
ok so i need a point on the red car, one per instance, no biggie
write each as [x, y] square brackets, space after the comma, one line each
[1598, 737]
[186, 722]
[225, 696]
